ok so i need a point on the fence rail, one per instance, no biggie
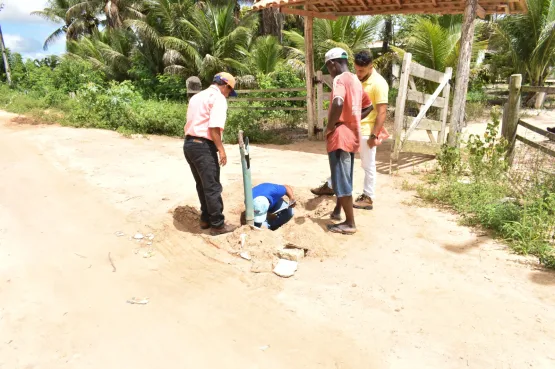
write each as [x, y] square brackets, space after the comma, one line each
[233, 100]
[546, 89]
[511, 119]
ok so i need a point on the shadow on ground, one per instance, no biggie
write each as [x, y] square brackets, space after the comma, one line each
[406, 160]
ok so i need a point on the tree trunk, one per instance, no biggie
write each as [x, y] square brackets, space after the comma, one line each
[5, 57]
[463, 71]
[386, 39]
[272, 23]
[111, 10]
[387, 33]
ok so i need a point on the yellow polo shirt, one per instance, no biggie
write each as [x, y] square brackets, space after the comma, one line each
[377, 89]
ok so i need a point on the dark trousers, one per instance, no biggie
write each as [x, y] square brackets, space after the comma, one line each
[202, 156]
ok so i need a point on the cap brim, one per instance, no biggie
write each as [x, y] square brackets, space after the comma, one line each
[233, 93]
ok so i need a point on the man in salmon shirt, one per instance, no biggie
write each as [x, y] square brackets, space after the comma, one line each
[206, 116]
[348, 103]
[372, 130]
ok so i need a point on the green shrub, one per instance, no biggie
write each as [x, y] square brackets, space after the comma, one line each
[474, 182]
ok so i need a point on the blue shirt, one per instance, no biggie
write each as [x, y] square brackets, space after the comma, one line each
[272, 192]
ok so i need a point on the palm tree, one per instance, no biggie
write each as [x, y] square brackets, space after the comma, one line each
[197, 38]
[528, 40]
[116, 11]
[108, 50]
[347, 32]
[78, 24]
[266, 54]
[435, 41]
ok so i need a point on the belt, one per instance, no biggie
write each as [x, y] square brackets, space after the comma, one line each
[195, 138]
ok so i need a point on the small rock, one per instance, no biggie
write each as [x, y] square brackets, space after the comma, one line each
[285, 268]
[138, 236]
[464, 181]
[119, 234]
[165, 199]
[136, 301]
[148, 254]
[354, 285]
[150, 236]
[245, 255]
[291, 254]
[264, 348]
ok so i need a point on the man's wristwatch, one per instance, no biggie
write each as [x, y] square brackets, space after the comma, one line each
[373, 136]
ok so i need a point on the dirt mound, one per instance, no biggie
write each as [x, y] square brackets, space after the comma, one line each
[306, 231]
[186, 218]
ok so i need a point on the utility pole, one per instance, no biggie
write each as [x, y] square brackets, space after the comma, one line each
[4, 54]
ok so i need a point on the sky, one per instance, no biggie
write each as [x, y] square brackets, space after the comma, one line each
[25, 33]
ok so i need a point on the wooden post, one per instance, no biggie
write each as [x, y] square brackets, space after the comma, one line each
[320, 104]
[309, 64]
[463, 71]
[400, 104]
[5, 57]
[511, 115]
[445, 110]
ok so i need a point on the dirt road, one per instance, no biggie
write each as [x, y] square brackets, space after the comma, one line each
[411, 290]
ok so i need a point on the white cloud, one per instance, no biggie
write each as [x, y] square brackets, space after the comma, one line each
[20, 11]
[20, 44]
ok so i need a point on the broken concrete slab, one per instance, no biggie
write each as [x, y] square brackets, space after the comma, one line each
[291, 254]
[286, 268]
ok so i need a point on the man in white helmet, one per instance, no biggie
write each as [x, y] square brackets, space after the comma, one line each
[348, 103]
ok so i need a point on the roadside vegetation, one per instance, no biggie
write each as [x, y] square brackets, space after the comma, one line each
[517, 205]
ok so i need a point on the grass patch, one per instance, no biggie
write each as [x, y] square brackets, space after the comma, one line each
[476, 183]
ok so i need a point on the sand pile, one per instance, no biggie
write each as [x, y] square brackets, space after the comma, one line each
[306, 231]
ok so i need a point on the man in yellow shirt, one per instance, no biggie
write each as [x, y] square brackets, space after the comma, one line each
[378, 90]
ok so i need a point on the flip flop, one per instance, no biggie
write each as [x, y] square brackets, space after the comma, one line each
[342, 229]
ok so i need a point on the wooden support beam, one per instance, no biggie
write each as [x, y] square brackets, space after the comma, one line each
[537, 130]
[400, 105]
[480, 12]
[421, 71]
[421, 98]
[257, 6]
[510, 115]
[444, 110]
[320, 104]
[309, 73]
[308, 13]
[536, 145]
[463, 71]
[425, 124]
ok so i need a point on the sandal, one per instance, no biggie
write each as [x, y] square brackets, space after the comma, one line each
[341, 228]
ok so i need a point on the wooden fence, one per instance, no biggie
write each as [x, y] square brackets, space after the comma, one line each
[408, 91]
[511, 118]
[241, 98]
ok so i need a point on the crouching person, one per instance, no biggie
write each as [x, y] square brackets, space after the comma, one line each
[270, 209]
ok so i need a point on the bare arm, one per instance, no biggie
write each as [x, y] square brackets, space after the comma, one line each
[216, 134]
[334, 115]
[289, 193]
[364, 112]
[380, 120]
